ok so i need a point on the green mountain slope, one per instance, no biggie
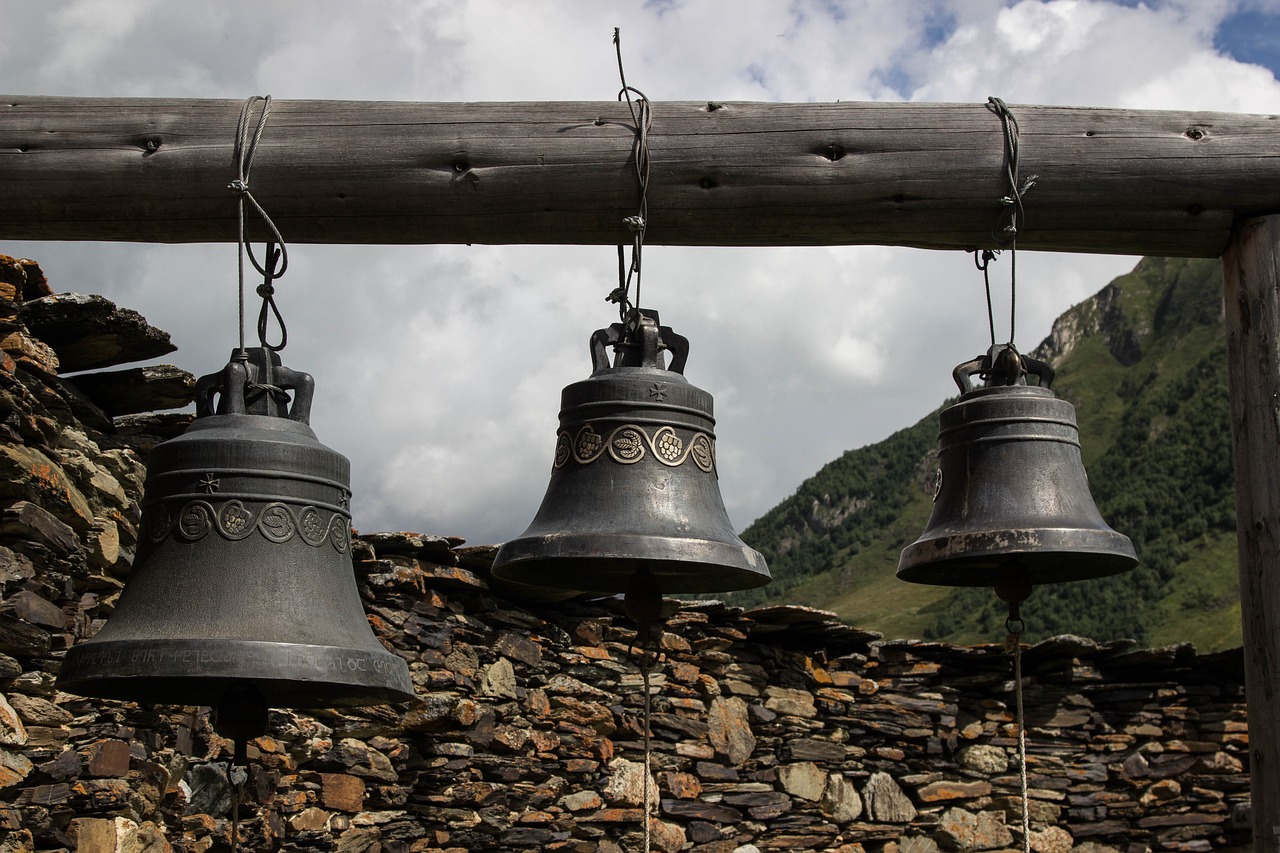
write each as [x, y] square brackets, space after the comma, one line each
[1144, 363]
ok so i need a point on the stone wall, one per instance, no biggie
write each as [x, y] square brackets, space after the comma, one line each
[773, 729]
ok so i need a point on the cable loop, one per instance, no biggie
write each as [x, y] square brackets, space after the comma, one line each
[277, 257]
[641, 110]
[1009, 220]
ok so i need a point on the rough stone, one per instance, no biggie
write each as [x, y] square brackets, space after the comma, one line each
[840, 800]
[730, 730]
[984, 759]
[138, 389]
[804, 780]
[962, 830]
[499, 680]
[625, 786]
[885, 801]
[90, 332]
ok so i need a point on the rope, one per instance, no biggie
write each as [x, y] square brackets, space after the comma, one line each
[1014, 643]
[246, 145]
[1012, 212]
[648, 754]
[642, 118]
[236, 794]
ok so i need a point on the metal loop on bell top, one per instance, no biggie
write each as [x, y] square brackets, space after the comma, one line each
[254, 382]
[1001, 365]
[638, 342]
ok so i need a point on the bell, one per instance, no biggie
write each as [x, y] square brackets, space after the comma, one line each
[633, 490]
[244, 595]
[1012, 503]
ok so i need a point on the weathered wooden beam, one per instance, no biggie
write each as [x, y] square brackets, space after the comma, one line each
[1252, 272]
[929, 175]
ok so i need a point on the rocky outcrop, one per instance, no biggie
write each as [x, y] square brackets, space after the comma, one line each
[777, 728]
[1101, 315]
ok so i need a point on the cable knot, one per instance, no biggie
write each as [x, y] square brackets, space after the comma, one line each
[238, 186]
[634, 223]
[266, 290]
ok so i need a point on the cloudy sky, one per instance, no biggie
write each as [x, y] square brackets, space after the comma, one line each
[439, 368]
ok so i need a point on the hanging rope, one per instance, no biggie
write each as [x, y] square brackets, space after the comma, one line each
[1012, 213]
[642, 119]
[648, 756]
[246, 145]
[1013, 644]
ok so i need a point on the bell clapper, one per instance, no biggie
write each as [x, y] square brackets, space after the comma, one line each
[240, 716]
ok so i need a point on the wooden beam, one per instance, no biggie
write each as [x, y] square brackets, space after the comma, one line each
[1252, 272]
[732, 174]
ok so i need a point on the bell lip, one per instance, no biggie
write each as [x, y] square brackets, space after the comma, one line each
[604, 563]
[289, 675]
[1045, 555]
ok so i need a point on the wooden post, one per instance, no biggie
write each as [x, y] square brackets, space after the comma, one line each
[1252, 269]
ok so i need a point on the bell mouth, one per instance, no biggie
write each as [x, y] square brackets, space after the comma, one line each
[1040, 556]
[200, 672]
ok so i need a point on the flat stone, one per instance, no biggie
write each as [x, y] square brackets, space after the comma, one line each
[14, 767]
[341, 792]
[29, 475]
[137, 389]
[804, 780]
[36, 711]
[90, 332]
[38, 610]
[109, 758]
[581, 801]
[967, 831]
[784, 700]
[310, 819]
[936, 792]
[1052, 839]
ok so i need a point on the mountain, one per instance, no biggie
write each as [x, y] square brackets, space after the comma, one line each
[1144, 363]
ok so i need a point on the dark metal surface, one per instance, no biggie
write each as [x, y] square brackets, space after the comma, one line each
[634, 486]
[1012, 500]
[244, 573]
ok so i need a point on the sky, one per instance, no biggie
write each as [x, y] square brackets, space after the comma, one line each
[439, 368]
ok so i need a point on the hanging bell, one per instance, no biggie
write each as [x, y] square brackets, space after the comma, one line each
[243, 596]
[1011, 503]
[634, 502]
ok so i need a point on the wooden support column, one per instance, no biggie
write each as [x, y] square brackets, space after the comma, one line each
[1252, 268]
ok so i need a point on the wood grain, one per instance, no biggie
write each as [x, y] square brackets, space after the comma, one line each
[1252, 271]
[927, 175]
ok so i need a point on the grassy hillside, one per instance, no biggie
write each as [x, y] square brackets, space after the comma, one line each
[1143, 361]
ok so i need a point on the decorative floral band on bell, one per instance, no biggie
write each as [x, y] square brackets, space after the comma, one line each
[627, 444]
[277, 522]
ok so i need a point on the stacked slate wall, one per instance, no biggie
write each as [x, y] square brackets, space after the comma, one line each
[774, 729]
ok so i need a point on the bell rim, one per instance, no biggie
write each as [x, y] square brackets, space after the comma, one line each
[604, 563]
[1057, 555]
[312, 676]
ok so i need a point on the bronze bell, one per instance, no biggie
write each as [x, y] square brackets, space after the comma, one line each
[244, 594]
[634, 498]
[1012, 502]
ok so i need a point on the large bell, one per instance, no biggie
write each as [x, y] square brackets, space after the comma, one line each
[1012, 502]
[634, 497]
[244, 584]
